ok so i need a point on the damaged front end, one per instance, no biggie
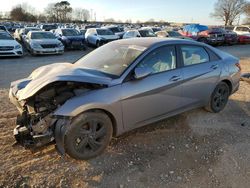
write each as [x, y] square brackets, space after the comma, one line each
[36, 124]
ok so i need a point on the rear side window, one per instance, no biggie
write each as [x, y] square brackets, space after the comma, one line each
[193, 55]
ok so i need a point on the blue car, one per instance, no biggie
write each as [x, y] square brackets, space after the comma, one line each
[71, 38]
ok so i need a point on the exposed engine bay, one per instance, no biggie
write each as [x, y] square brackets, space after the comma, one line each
[36, 123]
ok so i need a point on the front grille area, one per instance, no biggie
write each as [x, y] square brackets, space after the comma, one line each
[6, 48]
[6, 53]
[49, 45]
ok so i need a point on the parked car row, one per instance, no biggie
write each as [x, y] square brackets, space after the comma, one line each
[54, 38]
[217, 35]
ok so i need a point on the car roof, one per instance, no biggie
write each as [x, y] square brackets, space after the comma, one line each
[151, 41]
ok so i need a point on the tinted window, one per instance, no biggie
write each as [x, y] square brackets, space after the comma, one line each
[5, 36]
[42, 35]
[194, 55]
[146, 33]
[160, 60]
[104, 32]
[70, 32]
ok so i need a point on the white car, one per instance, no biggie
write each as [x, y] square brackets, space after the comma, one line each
[131, 34]
[99, 36]
[242, 30]
[24, 31]
[9, 46]
[43, 42]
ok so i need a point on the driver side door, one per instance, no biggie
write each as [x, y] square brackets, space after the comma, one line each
[155, 96]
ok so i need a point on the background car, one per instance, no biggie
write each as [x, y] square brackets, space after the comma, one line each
[24, 31]
[9, 46]
[43, 42]
[3, 28]
[99, 36]
[172, 34]
[203, 34]
[116, 30]
[131, 34]
[146, 33]
[242, 30]
[121, 86]
[71, 38]
[48, 27]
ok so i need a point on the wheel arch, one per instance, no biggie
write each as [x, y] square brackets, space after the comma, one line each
[110, 115]
[229, 83]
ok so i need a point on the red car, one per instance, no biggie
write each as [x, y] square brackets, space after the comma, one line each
[244, 39]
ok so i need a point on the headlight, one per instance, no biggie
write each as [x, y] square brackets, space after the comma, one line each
[18, 46]
[35, 45]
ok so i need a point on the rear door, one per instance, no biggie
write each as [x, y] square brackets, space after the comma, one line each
[155, 95]
[201, 72]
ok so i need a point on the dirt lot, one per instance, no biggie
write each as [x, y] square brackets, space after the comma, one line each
[194, 149]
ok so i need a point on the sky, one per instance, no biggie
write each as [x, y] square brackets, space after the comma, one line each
[191, 11]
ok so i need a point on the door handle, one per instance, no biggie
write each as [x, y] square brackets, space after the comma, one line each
[214, 67]
[175, 78]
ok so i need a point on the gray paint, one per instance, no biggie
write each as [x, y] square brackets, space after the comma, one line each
[135, 103]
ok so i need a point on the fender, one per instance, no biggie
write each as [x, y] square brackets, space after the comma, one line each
[107, 99]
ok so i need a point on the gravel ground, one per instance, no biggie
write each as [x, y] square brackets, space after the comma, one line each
[193, 149]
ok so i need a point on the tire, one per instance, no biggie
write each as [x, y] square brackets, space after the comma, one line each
[99, 43]
[88, 135]
[219, 98]
[203, 40]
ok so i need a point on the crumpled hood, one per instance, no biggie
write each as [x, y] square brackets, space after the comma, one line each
[45, 75]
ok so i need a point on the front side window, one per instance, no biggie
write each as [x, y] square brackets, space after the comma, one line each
[160, 60]
[194, 55]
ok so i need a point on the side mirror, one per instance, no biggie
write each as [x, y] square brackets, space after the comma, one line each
[142, 72]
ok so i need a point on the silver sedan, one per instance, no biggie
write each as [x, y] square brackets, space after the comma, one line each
[118, 87]
[43, 42]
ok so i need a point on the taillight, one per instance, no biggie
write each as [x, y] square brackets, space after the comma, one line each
[238, 65]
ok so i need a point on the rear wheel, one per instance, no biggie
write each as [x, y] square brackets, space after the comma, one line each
[88, 135]
[219, 98]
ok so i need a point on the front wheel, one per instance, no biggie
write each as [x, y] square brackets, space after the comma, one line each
[219, 98]
[88, 135]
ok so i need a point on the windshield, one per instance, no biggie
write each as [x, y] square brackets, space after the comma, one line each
[2, 27]
[112, 59]
[104, 32]
[49, 27]
[146, 33]
[173, 34]
[31, 29]
[42, 35]
[5, 36]
[70, 32]
[115, 29]
[156, 29]
[83, 31]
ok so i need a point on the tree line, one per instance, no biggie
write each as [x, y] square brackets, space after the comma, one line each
[228, 11]
[54, 12]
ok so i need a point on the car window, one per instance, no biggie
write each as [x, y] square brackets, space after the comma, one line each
[160, 60]
[5, 36]
[194, 55]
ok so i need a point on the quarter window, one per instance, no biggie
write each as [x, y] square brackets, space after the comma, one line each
[160, 60]
[194, 55]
